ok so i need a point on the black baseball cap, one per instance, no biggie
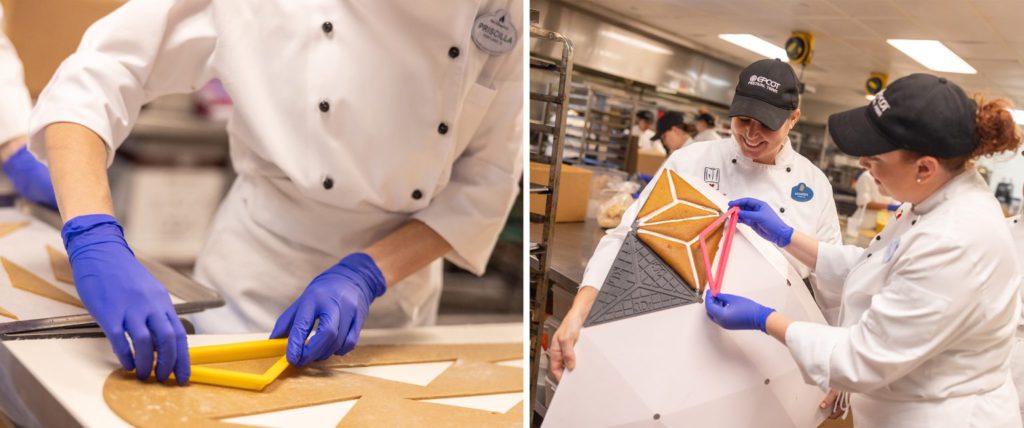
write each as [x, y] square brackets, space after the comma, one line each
[666, 122]
[923, 113]
[706, 118]
[768, 91]
[645, 115]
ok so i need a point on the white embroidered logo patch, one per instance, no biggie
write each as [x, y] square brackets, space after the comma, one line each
[879, 104]
[764, 82]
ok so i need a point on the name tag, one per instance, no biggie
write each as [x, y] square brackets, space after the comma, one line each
[801, 193]
[495, 33]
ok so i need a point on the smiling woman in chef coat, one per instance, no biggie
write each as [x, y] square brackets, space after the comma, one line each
[322, 176]
[758, 160]
[929, 308]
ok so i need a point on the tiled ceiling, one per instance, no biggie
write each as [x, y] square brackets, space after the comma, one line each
[850, 36]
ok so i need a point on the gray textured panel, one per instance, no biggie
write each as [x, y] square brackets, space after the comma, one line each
[638, 282]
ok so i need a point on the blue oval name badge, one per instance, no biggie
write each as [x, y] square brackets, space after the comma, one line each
[801, 193]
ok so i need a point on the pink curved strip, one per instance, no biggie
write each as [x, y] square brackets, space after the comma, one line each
[715, 282]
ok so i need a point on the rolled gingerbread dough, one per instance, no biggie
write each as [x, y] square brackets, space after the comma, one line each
[381, 402]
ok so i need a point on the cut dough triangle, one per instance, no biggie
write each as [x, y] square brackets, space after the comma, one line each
[61, 265]
[375, 410]
[659, 197]
[686, 192]
[317, 416]
[417, 374]
[496, 403]
[22, 279]
[511, 363]
[684, 229]
[9, 228]
[676, 255]
[682, 211]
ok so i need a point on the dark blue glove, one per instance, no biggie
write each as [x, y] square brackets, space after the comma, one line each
[893, 207]
[762, 218]
[736, 313]
[124, 297]
[340, 298]
[31, 179]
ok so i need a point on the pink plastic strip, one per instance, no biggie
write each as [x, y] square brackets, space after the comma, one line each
[715, 282]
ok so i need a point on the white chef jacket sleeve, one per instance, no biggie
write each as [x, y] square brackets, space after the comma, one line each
[608, 247]
[917, 315]
[141, 51]
[828, 289]
[471, 210]
[834, 261]
[828, 222]
[16, 105]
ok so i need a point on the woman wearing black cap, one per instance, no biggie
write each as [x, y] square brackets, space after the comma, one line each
[705, 125]
[644, 129]
[929, 308]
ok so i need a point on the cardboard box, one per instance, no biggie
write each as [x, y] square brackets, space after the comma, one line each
[573, 192]
[45, 32]
[648, 161]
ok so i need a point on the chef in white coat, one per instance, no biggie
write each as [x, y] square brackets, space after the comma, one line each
[386, 134]
[29, 178]
[671, 132]
[758, 160]
[929, 309]
[705, 125]
[644, 128]
[870, 201]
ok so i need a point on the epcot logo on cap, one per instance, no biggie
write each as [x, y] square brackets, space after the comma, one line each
[879, 104]
[764, 82]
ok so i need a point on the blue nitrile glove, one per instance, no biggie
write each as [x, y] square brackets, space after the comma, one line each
[762, 218]
[124, 297]
[893, 207]
[736, 313]
[340, 298]
[31, 179]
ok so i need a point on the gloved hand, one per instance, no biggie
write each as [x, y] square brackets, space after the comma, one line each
[893, 207]
[31, 179]
[736, 313]
[762, 218]
[124, 297]
[340, 298]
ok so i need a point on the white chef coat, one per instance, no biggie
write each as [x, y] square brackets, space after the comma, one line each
[928, 314]
[863, 217]
[645, 142]
[707, 135]
[1016, 225]
[338, 136]
[723, 167]
[16, 104]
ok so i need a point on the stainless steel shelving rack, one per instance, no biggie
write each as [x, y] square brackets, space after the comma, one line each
[608, 122]
[549, 134]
